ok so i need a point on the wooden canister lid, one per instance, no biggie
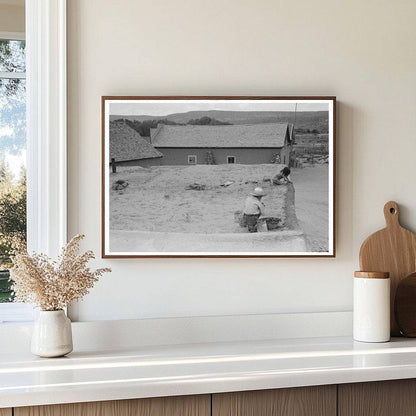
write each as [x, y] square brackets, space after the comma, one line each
[372, 275]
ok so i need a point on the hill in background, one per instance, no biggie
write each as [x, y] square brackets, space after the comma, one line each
[306, 121]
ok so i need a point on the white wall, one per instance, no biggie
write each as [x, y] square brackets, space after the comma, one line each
[361, 51]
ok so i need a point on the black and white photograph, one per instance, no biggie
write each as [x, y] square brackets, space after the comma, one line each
[218, 176]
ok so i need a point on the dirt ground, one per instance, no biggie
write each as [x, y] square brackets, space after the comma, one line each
[311, 201]
[156, 199]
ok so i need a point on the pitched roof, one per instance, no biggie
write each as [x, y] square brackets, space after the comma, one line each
[127, 144]
[270, 135]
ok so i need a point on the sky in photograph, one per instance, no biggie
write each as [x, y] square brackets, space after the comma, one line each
[163, 108]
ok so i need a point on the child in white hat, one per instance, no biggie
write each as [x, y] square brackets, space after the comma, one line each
[254, 208]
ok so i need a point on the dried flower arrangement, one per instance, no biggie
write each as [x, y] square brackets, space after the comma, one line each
[53, 285]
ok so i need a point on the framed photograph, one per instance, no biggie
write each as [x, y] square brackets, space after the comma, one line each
[218, 176]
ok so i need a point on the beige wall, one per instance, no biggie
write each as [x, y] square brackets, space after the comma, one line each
[12, 18]
[361, 51]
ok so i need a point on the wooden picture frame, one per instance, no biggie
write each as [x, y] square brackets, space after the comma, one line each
[179, 172]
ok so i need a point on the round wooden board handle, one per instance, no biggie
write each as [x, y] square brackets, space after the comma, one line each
[391, 214]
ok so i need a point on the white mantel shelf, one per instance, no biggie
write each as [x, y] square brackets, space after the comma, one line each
[152, 371]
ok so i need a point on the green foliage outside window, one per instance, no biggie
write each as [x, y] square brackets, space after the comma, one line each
[12, 223]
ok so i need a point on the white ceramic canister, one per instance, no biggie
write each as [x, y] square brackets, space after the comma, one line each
[52, 334]
[371, 307]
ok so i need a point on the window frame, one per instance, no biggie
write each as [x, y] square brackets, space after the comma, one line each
[196, 160]
[46, 137]
[231, 163]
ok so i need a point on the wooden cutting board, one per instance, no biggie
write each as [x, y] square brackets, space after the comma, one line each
[393, 250]
[405, 305]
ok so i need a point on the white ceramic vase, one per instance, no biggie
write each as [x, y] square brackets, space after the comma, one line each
[52, 334]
